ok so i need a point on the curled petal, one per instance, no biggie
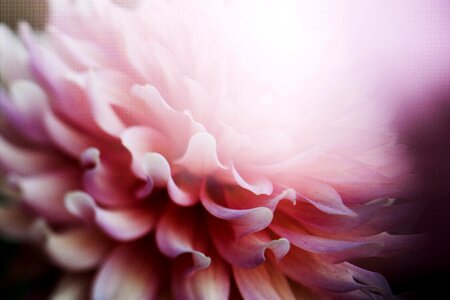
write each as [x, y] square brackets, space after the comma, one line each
[260, 187]
[131, 271]
[176, 235]
[323, 196]
[263, 282]
[109, 185]
[313, 271]
[210, 283]
[201, 157]
[76, 249]
[140, 140]
[156, 167]
[243, 221]
[120, 224]
[248, 251]
[338, 250]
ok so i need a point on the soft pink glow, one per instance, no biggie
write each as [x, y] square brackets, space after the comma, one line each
[200, 149]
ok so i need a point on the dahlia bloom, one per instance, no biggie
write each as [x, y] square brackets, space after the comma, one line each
[172, 150]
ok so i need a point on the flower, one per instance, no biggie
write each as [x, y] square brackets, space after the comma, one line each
[172, 150]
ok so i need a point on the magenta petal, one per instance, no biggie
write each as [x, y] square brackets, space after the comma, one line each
[244, 221]
[263, 282]
[131, 271]
[76, 249]
[120, 224]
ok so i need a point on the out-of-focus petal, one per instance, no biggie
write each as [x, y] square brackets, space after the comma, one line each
[77, 249]
[131, 271]
[210, 283]
[263, 282]
[120, 224]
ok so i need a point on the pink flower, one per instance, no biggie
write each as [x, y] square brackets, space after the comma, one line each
[171, 149]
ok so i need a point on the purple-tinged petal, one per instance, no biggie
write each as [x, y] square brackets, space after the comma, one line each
[323, 196]
[77, 249]
[312, 271]
[243, 221]
[338, 250]
[24, 108]
[263, 282]
[120, 224]
[248, 251]
[131, 271]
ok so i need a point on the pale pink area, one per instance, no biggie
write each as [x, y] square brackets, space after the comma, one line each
[188, 149]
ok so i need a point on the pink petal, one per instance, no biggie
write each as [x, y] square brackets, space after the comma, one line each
[24, 108]
[140, 140]
[338, 250]
[176, 235]
[76, 249]
[26, 161]
[156, 167]
[131, 271]
[120, 224]
[201, 157]
[248, 251]
[263, 282]
[261, 186]
[14, 59]
[312, 271]
[210, 283]
[67, 138]
[243, 221]
[323, 196]
[45, 193]
[109, 185]
[163, 117]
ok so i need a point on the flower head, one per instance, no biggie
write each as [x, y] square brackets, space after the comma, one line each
[176, 150]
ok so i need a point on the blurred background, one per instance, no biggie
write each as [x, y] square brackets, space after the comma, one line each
[422, 274]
